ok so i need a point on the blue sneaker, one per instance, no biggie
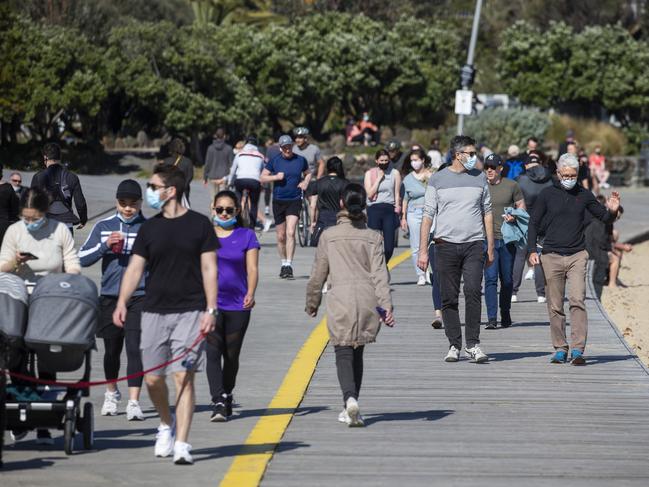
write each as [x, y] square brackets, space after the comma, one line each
[577, 358]
[559, 357]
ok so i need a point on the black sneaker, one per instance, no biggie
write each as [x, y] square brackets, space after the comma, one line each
[219, 413]
[505, 320]
[282, 272]
[492, 324]
[228, 404]
[289, 273]
[44, 437]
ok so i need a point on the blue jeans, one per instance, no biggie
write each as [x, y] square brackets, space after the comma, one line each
[503, 268]
[414, 217]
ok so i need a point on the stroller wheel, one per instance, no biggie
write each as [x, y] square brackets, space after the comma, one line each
[69, 430]
[88, 426]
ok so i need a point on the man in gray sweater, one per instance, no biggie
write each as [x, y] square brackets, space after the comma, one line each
[218, 160]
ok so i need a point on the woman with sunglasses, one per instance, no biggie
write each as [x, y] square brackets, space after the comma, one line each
[238, 262]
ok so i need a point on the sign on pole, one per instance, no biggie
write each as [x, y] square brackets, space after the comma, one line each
[463, 102]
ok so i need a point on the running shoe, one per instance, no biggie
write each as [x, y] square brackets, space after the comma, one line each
[355, 418]
[559, 357]
[282, 272]
[343, 417]
[421, 280]
[514, 298]
[492, 324]
[476, 354]
[109, 408]
[17, 435]
[134, 411]
[267, 211]
[505, 319]
[267, 224]
[44, 437]
[453, 354]
[530, 275]
[541, 299]
[289, 273]
[182, 455]
[577, 358]
[164, 441]
[219, 413]
[228, 404]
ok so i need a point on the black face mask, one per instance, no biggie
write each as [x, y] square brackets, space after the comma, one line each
[383, 166]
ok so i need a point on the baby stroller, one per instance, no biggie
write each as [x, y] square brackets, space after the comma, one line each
[58, 337]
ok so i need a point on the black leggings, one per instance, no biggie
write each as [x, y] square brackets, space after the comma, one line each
[381, 217]
[223, 349]
[349, 365]
[112, 355]
[254, 190]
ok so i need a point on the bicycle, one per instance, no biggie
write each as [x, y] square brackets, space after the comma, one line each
[304, 224]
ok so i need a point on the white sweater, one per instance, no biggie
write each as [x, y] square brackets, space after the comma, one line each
[247, 164]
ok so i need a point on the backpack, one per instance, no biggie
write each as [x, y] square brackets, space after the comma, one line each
[60, 193]
[513, 169]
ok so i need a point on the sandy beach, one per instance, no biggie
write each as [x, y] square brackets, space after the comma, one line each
[628, 306]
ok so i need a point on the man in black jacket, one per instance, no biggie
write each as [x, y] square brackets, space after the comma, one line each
[559, 215]
[63, 187]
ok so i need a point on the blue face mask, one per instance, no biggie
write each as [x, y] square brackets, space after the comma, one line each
[225, 223]
[33, 226]
[153, 199]
[568, 183]
[127, 220]
[470, 162]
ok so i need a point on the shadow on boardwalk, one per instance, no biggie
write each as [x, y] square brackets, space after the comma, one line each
[430, 415]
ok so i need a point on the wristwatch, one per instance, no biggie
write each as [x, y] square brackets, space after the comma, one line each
[212, 311]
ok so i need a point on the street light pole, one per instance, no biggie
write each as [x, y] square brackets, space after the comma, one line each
[468, 70]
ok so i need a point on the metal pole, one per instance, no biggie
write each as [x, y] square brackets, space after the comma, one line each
[470, 56]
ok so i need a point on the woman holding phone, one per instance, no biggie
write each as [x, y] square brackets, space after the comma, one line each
[33, 248]
[351, 257]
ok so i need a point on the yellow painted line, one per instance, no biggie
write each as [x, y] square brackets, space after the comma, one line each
[249, 466]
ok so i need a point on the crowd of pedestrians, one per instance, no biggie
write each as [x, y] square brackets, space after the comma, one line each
[475, 218]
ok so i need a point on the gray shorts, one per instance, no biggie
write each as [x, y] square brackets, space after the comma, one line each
[166, 336]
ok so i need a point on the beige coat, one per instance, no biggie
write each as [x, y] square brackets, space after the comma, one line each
[351, 256]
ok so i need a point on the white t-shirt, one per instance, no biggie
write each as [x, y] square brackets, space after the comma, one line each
[247, 164]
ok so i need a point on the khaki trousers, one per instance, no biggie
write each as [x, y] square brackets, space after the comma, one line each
[558, 269]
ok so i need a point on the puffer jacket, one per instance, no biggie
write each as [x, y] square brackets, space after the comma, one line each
[351, 256]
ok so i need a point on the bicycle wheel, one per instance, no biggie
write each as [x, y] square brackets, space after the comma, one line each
[304, 225]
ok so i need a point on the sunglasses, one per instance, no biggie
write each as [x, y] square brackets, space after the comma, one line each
[491, 166]
[227, 209]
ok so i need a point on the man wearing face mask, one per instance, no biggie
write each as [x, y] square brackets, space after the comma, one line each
[559, 215]
[9, 203]
[457, 211]
[177, 247]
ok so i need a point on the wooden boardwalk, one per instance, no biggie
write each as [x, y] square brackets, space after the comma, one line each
[516, 420]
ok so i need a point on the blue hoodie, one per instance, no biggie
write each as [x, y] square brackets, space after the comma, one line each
[113, 265]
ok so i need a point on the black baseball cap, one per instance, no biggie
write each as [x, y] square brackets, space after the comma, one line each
[129, 188]
[493, 159]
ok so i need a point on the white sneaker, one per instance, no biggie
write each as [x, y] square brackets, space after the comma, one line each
[343, 417]
[514, 298]
[324, 289]
[133, 411]
[109, 408]
[182, 454]
[355, 419]
[267, 224]
[421, 281]
[476, 354]
[453, 354]
[541, 299]
[267, 211]
[530, 275]
[164, 441]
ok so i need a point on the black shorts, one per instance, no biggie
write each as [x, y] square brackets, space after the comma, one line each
[284, 208]
[106, 328]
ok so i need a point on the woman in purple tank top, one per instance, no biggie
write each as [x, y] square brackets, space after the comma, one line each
[238, 260]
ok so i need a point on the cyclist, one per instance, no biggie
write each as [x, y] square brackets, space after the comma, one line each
[310, 152]
[245, 174]
[291, 176]
[396, 155]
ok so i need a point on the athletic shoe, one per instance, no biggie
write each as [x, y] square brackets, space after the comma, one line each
[267, 211]
[453, 354]
[559, 357]
[44, 437]
[282, 272]
[267, 224]
[421, 280]
[182, 455]
[355, 419]
[492, 324]
[437, 323]
[343, 417]
[514, 298]
[134, 411]
[505, 320]
[228, 404]
[530, 275]
[109, 408]
[17, 435]
[577, 358]
[476, 354]
[118, 395]
[219, 413]
[289, 273]
[541, 299]
[164, 441]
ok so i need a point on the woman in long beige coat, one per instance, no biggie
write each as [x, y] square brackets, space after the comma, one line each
[351, 257]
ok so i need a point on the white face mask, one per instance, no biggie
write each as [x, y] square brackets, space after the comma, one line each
[568, 183]
[416, 164]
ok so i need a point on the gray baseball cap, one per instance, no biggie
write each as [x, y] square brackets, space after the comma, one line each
[285, 140]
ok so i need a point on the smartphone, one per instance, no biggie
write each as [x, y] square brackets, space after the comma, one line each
[383, 314]
[29, 255]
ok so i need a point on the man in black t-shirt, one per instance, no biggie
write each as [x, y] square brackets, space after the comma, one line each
[178, 248]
